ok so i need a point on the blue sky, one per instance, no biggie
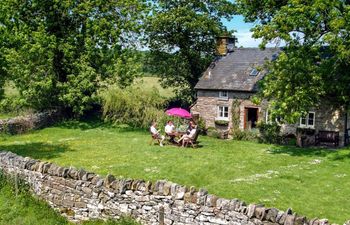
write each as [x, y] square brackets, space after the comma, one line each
[243, 32]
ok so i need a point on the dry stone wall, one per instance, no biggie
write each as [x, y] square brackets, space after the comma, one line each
[81, 195]
[22, 124]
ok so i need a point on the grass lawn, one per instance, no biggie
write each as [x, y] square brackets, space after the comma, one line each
[313, 182]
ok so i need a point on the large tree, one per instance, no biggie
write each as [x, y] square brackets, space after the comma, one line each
[314, 67]
[181, 37]
[58, 51]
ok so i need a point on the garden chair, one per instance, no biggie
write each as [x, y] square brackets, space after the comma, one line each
[192, 141]
[154, 138]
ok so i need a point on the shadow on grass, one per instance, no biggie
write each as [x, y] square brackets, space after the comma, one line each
[37, 150]
[332, 154]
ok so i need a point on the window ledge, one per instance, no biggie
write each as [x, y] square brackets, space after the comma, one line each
[221, 118]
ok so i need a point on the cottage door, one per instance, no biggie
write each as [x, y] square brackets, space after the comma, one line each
[250, 118]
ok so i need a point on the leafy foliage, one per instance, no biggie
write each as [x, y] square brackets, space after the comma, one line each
[245, 135]
[270, 133]
[181, 36]
[132, 105]
[314, 66]
[56, 52]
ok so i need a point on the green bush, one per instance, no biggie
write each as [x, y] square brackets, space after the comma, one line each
[270, 133]
[133, 106]
[12, 106]
[213, 132]
[202, 126]
[245, 135]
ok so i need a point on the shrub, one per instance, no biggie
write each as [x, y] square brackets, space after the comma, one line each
[202, 126]
[245, 135]
[13, 105]
[270, 133]
[212, 132]
[133, 106]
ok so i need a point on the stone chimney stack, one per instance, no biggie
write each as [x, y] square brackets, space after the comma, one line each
[225, 44]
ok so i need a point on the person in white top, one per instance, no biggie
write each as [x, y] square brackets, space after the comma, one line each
[155, 134]
[186, 137]
[170, 130]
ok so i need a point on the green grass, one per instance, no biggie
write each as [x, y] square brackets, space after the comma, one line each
[313, 182]
[150, 82]
[20, 208]
[7, 115]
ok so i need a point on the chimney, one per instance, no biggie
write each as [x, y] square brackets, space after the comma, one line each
[225, 44]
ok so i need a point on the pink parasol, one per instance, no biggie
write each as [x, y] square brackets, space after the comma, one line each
[183, 113]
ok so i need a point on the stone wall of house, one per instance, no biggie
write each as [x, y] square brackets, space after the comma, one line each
[80, 195]
[326, 118]
[208, 101]
[22, 124]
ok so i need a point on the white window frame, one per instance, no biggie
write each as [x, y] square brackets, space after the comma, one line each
[222, 95]
[221, 112]
[307, 118]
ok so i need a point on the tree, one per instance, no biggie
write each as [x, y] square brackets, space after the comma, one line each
[58, 51]
[314, 66]
[181, 37]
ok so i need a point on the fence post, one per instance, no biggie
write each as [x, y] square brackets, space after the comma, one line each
[161, 215]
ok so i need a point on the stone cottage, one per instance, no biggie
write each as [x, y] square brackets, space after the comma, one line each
[225, 91]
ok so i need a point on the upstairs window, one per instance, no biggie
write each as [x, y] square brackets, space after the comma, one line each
[308, 121]
[222, 112]
[254, 72]
[223, 94]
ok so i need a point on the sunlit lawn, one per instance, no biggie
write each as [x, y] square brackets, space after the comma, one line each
[313, 182]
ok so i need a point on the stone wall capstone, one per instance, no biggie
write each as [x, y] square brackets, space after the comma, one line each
[81, 195]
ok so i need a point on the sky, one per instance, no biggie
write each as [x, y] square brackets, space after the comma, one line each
[243, 32]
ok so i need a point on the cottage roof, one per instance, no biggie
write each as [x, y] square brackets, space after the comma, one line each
[235, 71]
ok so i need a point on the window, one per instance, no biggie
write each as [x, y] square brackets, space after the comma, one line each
[223, 112]
[223, 94]
[308, 121]
[254, 72]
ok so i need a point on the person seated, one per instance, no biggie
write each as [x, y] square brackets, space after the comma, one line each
[190, 126]
[187, 137]
[170, 130]
[156, 135]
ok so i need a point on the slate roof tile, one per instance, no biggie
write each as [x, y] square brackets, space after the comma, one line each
[232, 72]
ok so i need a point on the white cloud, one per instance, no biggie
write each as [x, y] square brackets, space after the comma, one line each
[246, 40]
